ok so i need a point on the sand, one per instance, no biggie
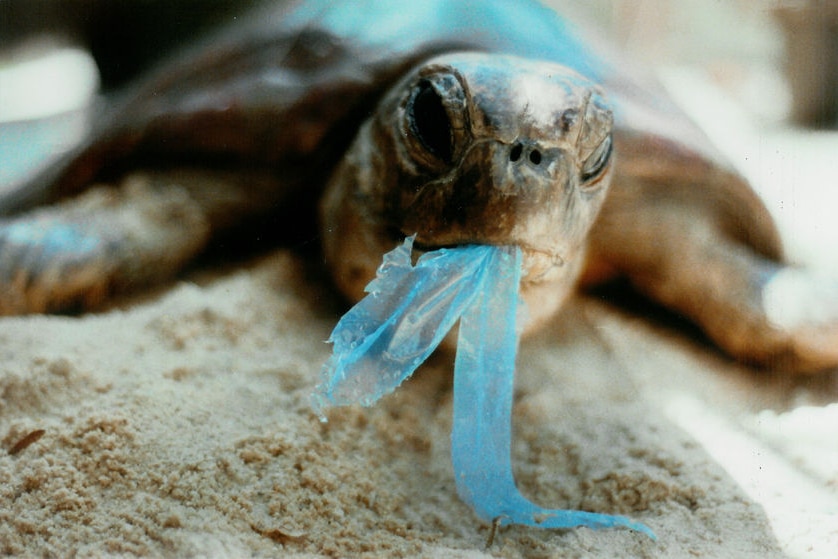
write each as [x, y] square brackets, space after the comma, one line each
[178, 423]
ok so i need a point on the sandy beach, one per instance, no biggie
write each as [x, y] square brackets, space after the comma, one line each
[178, 423]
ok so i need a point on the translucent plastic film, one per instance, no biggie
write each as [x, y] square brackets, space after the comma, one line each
[483, 390]
[407, 313]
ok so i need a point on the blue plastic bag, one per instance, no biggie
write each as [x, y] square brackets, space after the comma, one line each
[407, 313]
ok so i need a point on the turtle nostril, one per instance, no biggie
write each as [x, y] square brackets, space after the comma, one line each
[516, 152]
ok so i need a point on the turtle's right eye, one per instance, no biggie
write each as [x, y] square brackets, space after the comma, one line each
[430, 122]
[597, 162]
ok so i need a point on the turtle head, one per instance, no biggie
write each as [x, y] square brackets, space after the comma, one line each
[475, 148]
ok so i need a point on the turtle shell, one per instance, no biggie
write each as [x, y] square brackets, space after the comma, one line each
[285, 89]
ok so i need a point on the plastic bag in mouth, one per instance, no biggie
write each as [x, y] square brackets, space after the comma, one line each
[406, 314]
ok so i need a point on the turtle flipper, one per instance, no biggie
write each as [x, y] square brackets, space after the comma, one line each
[756, 309]
[751, 305]
[71, 256]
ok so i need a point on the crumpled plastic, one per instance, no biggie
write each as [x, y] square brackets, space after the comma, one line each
[408, 311]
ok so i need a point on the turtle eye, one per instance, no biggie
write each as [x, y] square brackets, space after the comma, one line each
[597, 162]
[430, 122]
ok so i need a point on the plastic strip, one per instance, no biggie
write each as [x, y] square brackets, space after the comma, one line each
[483, 391]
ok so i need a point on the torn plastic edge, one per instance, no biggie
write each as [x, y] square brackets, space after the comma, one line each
[408, 311]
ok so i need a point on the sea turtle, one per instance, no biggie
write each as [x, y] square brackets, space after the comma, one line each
[460, 121]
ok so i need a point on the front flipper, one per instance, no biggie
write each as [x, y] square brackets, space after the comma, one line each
[71, 256]
[752, 306]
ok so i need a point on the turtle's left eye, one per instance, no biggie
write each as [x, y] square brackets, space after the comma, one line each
[597, 162]
[429, 121]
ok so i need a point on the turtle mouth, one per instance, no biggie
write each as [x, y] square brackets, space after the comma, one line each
[422, 248]
[538, 264]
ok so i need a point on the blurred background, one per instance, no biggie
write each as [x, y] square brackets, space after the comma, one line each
[779, 58]
[761, 78]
